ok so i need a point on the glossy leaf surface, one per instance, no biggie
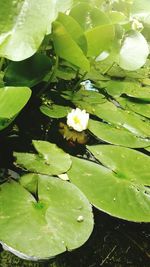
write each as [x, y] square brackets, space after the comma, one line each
[118, 189]
[23, 27]
[12, 100]
[142, 108]
[42, 229]
[55, 111]
[67, 48]
[50, 159]
[113, 114]
[116, 135]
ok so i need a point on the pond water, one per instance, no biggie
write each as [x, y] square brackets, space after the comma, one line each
[113, 242]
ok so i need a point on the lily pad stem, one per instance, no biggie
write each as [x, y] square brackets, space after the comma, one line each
[79, 81]
[52, 76]
[1, 62]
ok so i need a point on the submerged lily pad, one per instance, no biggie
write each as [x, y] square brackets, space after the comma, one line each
[50, 159]
[119, 189]
[42, 229]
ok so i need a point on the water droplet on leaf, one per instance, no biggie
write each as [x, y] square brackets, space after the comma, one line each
[80, 219]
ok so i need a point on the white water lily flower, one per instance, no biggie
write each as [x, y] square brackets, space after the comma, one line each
[78, 119]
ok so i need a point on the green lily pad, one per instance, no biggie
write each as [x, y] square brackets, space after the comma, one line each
[12, 100]
[23, 27]
[145, 81]
[60, 220]
[88, 16]
[115, 115]
[50, 159]
[142, 93]
[18, 74]
[117, 17]
[142, 108]
[30, 182]
[120, 189]
[67, 48]
[132, 89]
[98, 29]
[56, 7]
[126, 163]
[116, 135]
[74, 29]
[85, 99]
[90, 97]
[148, 149]
[100, 39]
[55, 111]
[65, 73]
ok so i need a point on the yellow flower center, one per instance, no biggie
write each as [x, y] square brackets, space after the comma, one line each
[76, 119]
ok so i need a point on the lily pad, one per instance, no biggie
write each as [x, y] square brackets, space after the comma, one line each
[119, 189]
[30, 182]
[12, 100]
[67, 48]
[132, 89]
[88, 96]
[140, 107]
[55, 111]
[74, 29]
[116, 135]
[88, 16]
[85, 99]
[42, 229]
[18, 74]
[23, 27]
[126, 163]
[100, 39]
[148, 149]
[50, 159]
[97, 26]
[113, 114]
